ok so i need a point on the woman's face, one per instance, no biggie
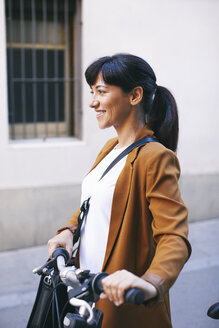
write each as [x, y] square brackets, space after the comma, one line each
[111, 104]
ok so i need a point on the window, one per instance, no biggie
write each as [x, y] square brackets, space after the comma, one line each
[43, 38]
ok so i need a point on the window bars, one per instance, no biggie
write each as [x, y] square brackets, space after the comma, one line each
[42, 79]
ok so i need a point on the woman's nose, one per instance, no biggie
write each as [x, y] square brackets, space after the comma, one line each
[94, 103]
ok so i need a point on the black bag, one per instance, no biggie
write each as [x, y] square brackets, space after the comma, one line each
[51, 303]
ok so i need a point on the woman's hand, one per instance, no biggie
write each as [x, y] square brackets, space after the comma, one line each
[117, 283]
[63, 239]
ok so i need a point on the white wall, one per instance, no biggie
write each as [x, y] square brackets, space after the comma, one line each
[180, 41]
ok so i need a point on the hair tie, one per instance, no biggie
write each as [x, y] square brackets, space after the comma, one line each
[155, 90]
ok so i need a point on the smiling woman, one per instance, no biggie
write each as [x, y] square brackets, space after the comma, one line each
[136, 223]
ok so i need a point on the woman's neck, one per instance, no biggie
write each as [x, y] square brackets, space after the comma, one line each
[128, 134]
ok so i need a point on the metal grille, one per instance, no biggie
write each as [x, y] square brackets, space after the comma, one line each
[41, 74]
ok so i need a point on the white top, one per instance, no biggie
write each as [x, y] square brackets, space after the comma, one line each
[95, 228]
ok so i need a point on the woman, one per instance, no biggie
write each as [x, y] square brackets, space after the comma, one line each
[136, 226]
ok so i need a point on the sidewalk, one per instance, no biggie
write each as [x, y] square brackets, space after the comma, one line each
[194, 291]
[197, 287]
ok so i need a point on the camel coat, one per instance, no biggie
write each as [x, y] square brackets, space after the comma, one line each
[147, 233]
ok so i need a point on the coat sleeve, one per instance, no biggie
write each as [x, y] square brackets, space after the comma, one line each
[74, 219]
[72, 223]
[169, 224]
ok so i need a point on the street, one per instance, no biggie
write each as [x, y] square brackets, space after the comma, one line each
[196, 289]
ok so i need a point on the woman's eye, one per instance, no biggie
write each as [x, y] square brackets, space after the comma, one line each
[99, 91]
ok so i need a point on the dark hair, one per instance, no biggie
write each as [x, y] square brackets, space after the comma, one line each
[128, 71]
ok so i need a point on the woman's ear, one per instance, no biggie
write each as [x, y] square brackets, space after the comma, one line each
[136, 96]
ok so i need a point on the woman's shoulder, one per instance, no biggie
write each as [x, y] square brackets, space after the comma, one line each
[155, 152]
[156, 149]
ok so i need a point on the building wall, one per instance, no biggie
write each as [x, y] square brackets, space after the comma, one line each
[40, 180]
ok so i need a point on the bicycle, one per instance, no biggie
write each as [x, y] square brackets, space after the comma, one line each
[83, 290]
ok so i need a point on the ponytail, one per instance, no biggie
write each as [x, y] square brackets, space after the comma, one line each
[163, 118]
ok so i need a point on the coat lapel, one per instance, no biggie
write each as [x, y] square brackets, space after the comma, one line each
[120, 199]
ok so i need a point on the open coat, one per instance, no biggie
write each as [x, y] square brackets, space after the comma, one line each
[147, 233]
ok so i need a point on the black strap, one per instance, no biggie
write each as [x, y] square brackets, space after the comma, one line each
[83, 212]
[127, 151]
[85, 206]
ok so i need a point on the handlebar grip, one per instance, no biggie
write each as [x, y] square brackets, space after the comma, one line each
[213, 311]
[61, 252]
[132, 295]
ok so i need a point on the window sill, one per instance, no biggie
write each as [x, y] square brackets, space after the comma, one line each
[46, 143]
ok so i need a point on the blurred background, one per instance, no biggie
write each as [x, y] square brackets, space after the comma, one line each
[49, 137]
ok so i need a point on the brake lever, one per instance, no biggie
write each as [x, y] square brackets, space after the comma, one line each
[44, 268]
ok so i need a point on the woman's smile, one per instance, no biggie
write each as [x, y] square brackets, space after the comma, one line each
[100, 113]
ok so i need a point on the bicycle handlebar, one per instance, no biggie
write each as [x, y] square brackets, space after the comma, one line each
[83, 290]
[132, 295]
